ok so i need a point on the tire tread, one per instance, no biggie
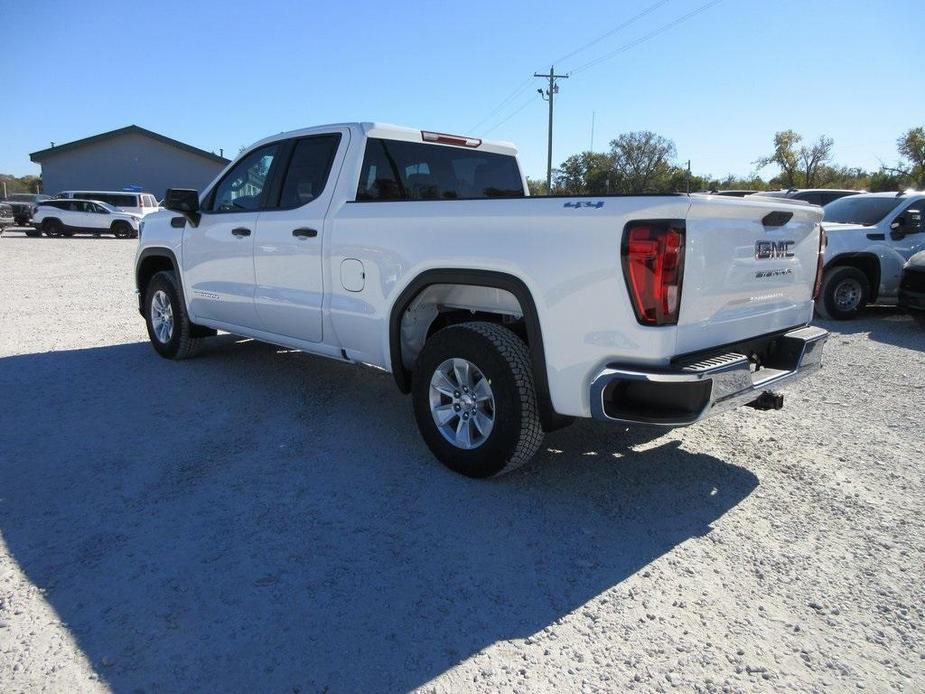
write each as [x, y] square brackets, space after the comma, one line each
[515, 352]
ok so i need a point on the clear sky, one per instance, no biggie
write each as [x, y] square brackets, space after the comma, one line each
[224, 74]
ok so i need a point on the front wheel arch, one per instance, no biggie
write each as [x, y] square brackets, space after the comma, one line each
[867, 263]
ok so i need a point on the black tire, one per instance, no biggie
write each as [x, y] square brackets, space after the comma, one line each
[844, 294]
[121, 230]
[52, 228]
[33, 233]
[503, 360]
[182, 341]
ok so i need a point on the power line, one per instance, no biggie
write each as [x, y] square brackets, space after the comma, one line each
[523, 85]
[504, 102]
[645, 37]
[511, 115]
[613, 31]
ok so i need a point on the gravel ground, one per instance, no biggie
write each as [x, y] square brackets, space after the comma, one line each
[261, 520]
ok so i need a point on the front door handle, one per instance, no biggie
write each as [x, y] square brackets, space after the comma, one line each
[305, 233]
[241, 231]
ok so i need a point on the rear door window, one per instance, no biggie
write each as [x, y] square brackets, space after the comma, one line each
[308, 170]
[397, 170]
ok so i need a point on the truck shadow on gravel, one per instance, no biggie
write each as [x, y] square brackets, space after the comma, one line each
[889, 325]
[257, 520]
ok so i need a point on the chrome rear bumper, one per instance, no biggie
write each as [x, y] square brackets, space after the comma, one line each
[686, 392]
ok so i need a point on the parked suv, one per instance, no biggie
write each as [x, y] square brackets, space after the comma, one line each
[870, 238]
[140, 204]
[23, 204]
[69, 217]
[814, 196]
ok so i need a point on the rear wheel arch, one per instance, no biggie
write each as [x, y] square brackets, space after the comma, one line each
[530, 329]
[868, 263]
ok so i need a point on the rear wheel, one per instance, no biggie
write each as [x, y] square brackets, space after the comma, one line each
[845, 291]
[475, 401]
[52, 228]
[121, 230]
[169, 329]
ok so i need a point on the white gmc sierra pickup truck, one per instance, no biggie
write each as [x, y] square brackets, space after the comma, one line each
[503, 315]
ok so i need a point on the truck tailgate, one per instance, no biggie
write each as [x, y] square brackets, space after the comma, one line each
[743, 276]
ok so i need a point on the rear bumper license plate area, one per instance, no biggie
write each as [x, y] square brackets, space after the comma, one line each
[691, 389]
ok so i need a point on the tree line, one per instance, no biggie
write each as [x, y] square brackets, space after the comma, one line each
[645, 162]
[21, 184]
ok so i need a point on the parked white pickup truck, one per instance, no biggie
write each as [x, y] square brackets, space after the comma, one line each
[505, 316]
[870, 238]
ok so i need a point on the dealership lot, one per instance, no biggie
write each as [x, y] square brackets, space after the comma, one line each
[259, 519]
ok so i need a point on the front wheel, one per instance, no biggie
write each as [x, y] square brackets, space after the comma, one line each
[169, 329]
[844, 293]
[475, 401]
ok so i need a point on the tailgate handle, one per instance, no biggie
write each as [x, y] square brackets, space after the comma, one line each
[776, 219]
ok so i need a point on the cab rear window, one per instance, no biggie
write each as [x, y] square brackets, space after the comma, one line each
[398, 170]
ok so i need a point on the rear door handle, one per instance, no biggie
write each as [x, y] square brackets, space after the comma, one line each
[305, 233]
[241, 231]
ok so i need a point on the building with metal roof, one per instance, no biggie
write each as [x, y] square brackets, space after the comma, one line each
[130, 158]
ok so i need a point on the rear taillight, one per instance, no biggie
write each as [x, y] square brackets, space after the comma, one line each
[653, 265]
[820, 262]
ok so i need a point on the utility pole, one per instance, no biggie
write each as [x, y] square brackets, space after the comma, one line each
[549, 95]
[688, 176]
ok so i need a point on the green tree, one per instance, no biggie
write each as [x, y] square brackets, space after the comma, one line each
[911, 146]
[814, 162]
[22, 184]
[587, 172]
[785, 156]
[642, 162]
[884, 181]
[536, 186]
[804, 166]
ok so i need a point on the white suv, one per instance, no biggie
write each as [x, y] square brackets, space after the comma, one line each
[134, 203]
[69, 217]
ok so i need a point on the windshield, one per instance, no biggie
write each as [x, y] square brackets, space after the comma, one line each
[858, 209]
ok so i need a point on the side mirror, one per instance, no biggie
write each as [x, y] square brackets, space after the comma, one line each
[908, 223]
[184, 201]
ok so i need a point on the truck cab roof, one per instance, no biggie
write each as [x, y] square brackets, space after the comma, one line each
[389, 131]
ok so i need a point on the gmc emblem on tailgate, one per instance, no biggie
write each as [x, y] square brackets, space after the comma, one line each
[765, 250]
